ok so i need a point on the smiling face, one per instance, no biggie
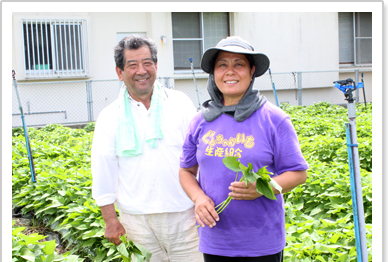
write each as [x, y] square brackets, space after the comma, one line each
[233, 75]
[139, 73]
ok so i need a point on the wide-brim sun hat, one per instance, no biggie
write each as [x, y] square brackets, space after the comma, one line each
[235, 44]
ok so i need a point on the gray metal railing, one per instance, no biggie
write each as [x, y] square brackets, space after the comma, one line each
[78, 102]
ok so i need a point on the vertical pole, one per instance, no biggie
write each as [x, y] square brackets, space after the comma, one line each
[353, 192]
[67, 35]
[347, 87]
[357, 180]
[299, 88]
[87, 67]
[274, 88]
[33, 46]
[363, 88]
[28, 145]
[61, 72]
[89, 101]
[195, 82]
[357, 90]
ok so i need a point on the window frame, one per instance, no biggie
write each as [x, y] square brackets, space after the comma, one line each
[79, 56]
[201, 39]
[355, 38]
[354, 44]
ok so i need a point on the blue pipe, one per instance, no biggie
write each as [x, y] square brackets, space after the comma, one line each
[30, 160]
[353, 192]
[273, 86]
[28, 150]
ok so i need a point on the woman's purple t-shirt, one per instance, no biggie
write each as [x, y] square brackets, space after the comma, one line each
[247, 228]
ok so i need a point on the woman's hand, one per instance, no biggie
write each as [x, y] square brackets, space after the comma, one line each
[205, 212]
[240, 191]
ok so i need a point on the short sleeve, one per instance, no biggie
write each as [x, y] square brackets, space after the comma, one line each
[189, 149]
[287, 153]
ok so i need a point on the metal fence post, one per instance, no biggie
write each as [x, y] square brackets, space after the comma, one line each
[299, 88]
[314, 83]
[357, 90]
[89, 100]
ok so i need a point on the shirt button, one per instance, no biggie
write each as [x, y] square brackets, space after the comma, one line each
[138, 104]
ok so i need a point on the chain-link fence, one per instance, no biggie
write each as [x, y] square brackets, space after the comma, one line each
[80, 102]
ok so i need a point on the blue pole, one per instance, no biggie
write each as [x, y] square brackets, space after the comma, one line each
[273, 86]
[357, 181]
[29, 153]
[348, 86]
[353, 192]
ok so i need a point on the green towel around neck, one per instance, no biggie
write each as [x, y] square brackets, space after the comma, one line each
[128, 140]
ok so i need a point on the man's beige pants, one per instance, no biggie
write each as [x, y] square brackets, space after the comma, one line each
[170, 237]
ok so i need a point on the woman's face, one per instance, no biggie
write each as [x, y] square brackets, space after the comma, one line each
[233, 75]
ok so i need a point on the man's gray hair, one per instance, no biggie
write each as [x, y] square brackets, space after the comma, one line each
[133, 42]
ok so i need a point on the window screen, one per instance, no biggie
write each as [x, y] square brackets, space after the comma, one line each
[193, 33]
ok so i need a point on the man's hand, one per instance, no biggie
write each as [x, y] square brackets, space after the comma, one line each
[113, 231]
[242, 192]
[113, 228]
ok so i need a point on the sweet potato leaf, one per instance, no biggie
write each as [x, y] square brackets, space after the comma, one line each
[232, 163]
[264, 188]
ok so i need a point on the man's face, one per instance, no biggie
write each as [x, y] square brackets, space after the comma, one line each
[139, 72]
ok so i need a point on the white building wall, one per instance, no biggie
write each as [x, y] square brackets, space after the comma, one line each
[103, 38]
[104, 29]
[292, 41]
[160, 24]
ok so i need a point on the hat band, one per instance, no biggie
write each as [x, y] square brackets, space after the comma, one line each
[245, 47]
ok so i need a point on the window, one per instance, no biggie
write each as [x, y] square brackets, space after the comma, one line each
[55, 48]
[355, 38]
[193, 33]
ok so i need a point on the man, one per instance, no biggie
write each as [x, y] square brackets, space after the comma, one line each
[135, 159]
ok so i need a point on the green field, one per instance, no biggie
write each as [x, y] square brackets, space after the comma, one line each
[319, 216]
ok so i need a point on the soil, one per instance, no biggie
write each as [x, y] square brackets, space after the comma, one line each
[40, 229]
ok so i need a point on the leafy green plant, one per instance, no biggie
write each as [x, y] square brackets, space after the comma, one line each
[17, 132]
[319, 217]
[90, 127]
[28, 248]
[128, 248]
[127, 251]
[319, 222]
[261, 177]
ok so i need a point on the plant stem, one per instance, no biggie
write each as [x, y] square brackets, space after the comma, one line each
[226, 203]
[221, 206]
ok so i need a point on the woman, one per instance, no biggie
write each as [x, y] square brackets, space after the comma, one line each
[237, 121]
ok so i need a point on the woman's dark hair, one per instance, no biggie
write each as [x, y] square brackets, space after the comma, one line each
[250, 60]
[133, 42]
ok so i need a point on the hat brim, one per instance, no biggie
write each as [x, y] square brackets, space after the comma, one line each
[260, 60]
